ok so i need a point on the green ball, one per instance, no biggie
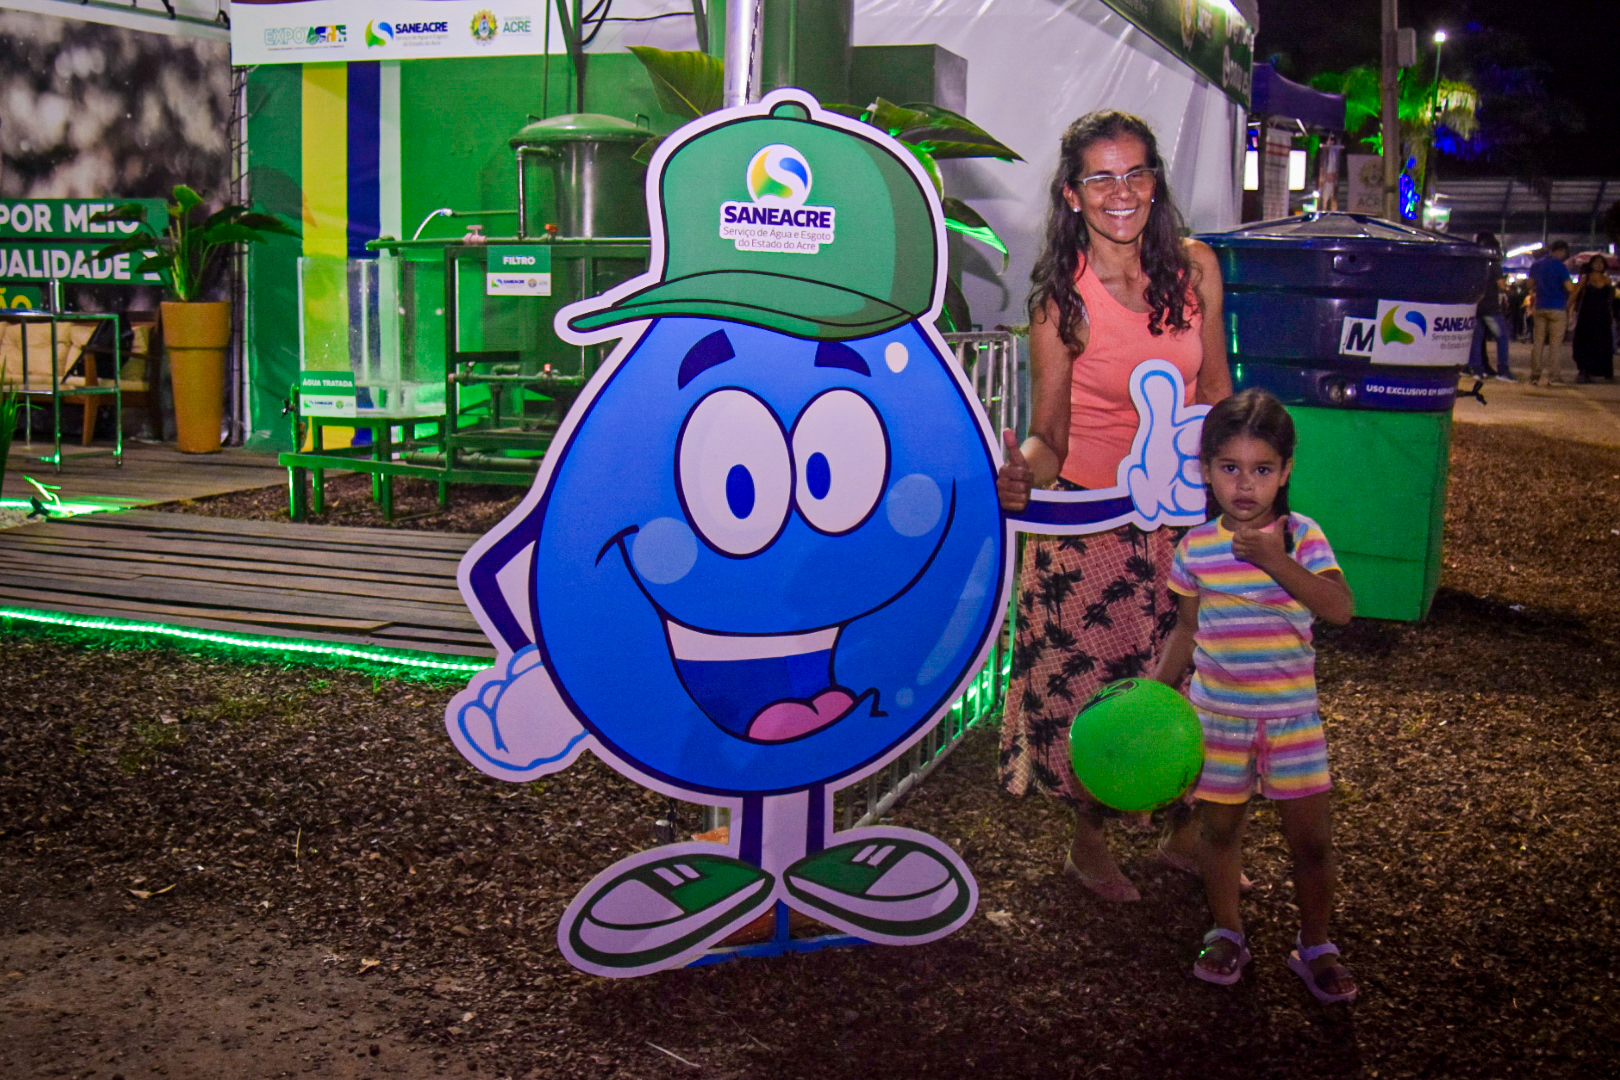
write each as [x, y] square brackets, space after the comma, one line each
[1137, 745]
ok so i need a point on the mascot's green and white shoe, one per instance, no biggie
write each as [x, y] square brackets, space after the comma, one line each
[892, 886]
[660, 911]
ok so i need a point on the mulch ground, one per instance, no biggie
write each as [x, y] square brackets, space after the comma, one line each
[215, 868]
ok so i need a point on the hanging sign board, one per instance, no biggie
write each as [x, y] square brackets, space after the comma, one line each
[327, 393]
[21, 296]
[518, 270]
[69, 219]
[323, 31]
[764, 554]
[1209, 36]
[73, 263]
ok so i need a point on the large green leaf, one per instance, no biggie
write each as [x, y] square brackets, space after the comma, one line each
[231, 232]
[187, 199]
[266, 223]
[954, 315]
[854, 112]
[943, 133]
[962, 218]
[644, 153]
[154, 264]
[129, 245]
[929, 167]
[126, 212]
[689, 84]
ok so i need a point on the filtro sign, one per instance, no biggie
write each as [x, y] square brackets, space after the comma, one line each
[1411, 334]
[518, 270]
[777, 218]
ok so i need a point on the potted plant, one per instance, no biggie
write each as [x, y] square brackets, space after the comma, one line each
[196, 333]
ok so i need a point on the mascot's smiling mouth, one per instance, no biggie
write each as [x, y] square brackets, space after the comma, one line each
[767, 688]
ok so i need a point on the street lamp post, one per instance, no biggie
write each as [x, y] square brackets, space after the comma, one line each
[1434, 119]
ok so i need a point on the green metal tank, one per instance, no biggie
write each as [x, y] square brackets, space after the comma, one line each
[808, 44]
[577, 172]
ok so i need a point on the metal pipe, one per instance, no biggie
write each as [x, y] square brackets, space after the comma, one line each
[742, 44]
[1390, 122]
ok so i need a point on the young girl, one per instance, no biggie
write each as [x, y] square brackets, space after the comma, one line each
[1249, 582]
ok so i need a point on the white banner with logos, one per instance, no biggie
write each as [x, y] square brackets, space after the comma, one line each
[1411, 334]
[317, 31]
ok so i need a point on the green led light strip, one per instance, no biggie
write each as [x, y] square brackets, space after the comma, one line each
[65, 508]
[415, 661]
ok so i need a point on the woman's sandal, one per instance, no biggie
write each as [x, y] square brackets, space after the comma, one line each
[1120, 891]
[1211, 974]
[1299, 962]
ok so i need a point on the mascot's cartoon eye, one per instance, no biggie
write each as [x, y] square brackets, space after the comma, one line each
[842, 452]
[733, 472]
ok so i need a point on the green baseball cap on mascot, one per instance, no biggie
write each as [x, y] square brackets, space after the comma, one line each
[791, 224]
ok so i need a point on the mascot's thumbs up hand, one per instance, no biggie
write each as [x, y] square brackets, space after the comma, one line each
[513, 724]
[1162, 471]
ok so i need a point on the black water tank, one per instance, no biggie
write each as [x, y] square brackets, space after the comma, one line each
[1350, 311]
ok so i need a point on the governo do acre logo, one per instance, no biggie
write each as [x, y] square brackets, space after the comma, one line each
[778, 179]
[485, 26]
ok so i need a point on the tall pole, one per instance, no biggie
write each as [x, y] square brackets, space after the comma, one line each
[1391, 120]
[742, 45]
[1429, 161]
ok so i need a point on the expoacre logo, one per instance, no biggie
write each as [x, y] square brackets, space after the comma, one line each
[778, 178]
[306, 37]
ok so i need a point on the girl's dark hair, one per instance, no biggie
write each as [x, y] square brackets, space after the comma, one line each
[1258, 414]
[1591, 264]
[1068, 240]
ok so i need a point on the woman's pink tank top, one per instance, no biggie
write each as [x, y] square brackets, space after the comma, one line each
[1102, 418]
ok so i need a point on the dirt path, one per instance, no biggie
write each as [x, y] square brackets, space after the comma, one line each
[199, 859]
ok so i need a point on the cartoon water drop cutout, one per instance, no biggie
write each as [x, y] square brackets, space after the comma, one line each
[765, 554]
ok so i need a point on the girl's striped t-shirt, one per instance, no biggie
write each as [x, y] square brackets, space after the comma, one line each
[1254, 657]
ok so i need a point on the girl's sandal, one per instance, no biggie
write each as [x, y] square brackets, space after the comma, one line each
[1299, 962]
[1220, 975]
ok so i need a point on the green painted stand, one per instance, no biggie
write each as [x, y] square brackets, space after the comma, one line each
[1376, 483]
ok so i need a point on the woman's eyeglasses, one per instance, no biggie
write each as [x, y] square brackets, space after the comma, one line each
[1139, 180]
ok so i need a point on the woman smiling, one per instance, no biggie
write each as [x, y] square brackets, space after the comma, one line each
[1117, 283]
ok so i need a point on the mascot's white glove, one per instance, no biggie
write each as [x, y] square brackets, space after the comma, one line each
[1162, 471]
[513, 724]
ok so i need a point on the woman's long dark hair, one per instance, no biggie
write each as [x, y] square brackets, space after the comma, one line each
[1068, 240]
[1258, 414]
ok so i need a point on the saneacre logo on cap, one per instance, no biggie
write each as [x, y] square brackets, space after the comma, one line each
[778, 179]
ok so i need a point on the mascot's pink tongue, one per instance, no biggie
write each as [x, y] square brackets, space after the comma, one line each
[790, 719]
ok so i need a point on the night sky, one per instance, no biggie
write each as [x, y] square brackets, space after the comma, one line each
[1548, 71]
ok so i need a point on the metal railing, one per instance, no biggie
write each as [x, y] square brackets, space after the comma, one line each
[996, 365]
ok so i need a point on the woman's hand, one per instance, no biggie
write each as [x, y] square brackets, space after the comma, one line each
[1016, 478]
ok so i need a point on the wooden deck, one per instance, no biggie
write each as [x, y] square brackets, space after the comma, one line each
[382, 587]
[151, 473]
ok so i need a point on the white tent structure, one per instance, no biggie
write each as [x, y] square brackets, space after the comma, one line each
[1033, 67]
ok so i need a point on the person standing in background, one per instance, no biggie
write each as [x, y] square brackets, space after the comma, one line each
[1489, 320]
[1550, 279]
[1593, 305]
